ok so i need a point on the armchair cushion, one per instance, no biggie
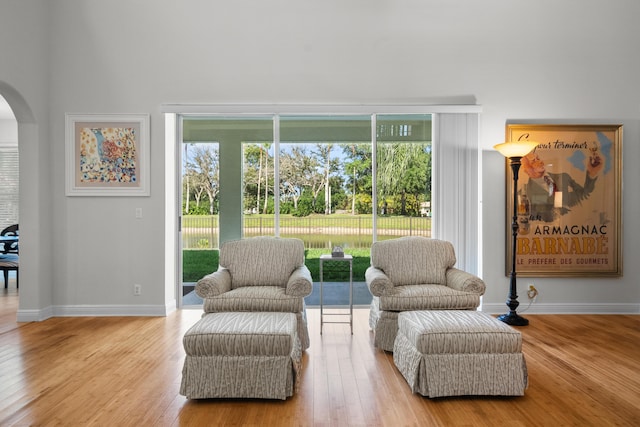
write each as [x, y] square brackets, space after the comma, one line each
[428, 297]
[261, 261]
[413, 260]
[255, 298]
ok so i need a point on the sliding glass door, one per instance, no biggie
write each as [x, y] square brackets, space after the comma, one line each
[331, 180]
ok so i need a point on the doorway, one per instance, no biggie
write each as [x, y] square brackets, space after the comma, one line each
[9, 206]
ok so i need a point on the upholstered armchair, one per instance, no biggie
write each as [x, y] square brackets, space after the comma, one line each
[260, 274]
[415, 273]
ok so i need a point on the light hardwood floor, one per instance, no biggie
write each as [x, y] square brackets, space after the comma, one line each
[119, 371]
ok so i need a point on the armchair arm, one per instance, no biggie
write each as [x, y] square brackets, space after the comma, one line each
[300, 283]
[214, 284]
[377, 282]
[466, 282]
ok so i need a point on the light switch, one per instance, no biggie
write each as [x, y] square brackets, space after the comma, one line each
[138, 213]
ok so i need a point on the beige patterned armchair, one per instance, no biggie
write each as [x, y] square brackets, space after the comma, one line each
[260, 274]
[415, 273]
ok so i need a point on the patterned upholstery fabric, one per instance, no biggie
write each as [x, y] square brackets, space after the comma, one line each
[428, 297]
[261, 261]
[260, 274]
[452, 332]
[455, 353]
[254, 298]
[242, 355]
[415, 273]
[414, 260]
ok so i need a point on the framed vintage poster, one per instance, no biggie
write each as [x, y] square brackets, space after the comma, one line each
[569, 201]
[107, 155]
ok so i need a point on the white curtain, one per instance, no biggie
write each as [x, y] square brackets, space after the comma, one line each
[456, 183]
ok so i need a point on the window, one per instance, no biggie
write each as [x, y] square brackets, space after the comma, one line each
[9, 188]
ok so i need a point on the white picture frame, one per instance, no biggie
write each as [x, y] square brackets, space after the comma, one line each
[107, 155]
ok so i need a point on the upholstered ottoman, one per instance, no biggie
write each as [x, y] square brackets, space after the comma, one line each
[240, 354]
[459, 352]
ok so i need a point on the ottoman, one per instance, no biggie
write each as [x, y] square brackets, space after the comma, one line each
[241, 355]
[459, 352]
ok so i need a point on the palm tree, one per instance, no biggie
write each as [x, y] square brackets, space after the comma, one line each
[396, 170]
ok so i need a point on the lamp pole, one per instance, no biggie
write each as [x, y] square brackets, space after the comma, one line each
[514, 151]
[512, 318]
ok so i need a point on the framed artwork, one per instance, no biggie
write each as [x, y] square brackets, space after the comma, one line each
[107, 155]
[569, 201]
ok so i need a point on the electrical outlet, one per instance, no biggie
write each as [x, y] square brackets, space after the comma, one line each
[137, 289]
[532, 293]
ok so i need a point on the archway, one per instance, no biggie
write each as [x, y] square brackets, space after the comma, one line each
[35, 298]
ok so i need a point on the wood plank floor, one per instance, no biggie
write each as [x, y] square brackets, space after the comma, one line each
[123, 371]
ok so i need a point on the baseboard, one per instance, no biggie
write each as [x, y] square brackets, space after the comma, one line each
[591, 308]
[34, 315]
[160, 310]
[109, 310]
[94, 311]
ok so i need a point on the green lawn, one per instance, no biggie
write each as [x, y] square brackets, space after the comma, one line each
[338, 271]
[197, 263]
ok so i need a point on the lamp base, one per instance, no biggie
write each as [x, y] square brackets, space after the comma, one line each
[513, 319]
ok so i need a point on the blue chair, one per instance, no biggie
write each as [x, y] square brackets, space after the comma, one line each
[12, 246]
[9, 257]
[10, 262]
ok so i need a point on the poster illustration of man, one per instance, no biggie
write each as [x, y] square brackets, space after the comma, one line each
[554, 194]
[569, 192]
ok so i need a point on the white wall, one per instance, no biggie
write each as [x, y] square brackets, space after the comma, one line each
[570, 61]
[8, 133]
[24, 74]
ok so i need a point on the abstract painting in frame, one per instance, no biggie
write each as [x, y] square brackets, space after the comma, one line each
[107, 155]
[569, 201]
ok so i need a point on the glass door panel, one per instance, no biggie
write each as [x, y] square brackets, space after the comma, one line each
[403, 154]
[211, 189]
[325, 181]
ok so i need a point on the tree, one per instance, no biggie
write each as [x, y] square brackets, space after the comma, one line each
[186, 177]
[192, 184]
[329, 166]
[204, 163]
[402, 170]
[357, 169]
[289, 182]
[297, 172]
[256, 176]
[264, 149]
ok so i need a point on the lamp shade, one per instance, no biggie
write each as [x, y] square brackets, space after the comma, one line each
[516, 149]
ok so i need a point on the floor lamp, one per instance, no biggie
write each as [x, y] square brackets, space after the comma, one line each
[514, 151]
